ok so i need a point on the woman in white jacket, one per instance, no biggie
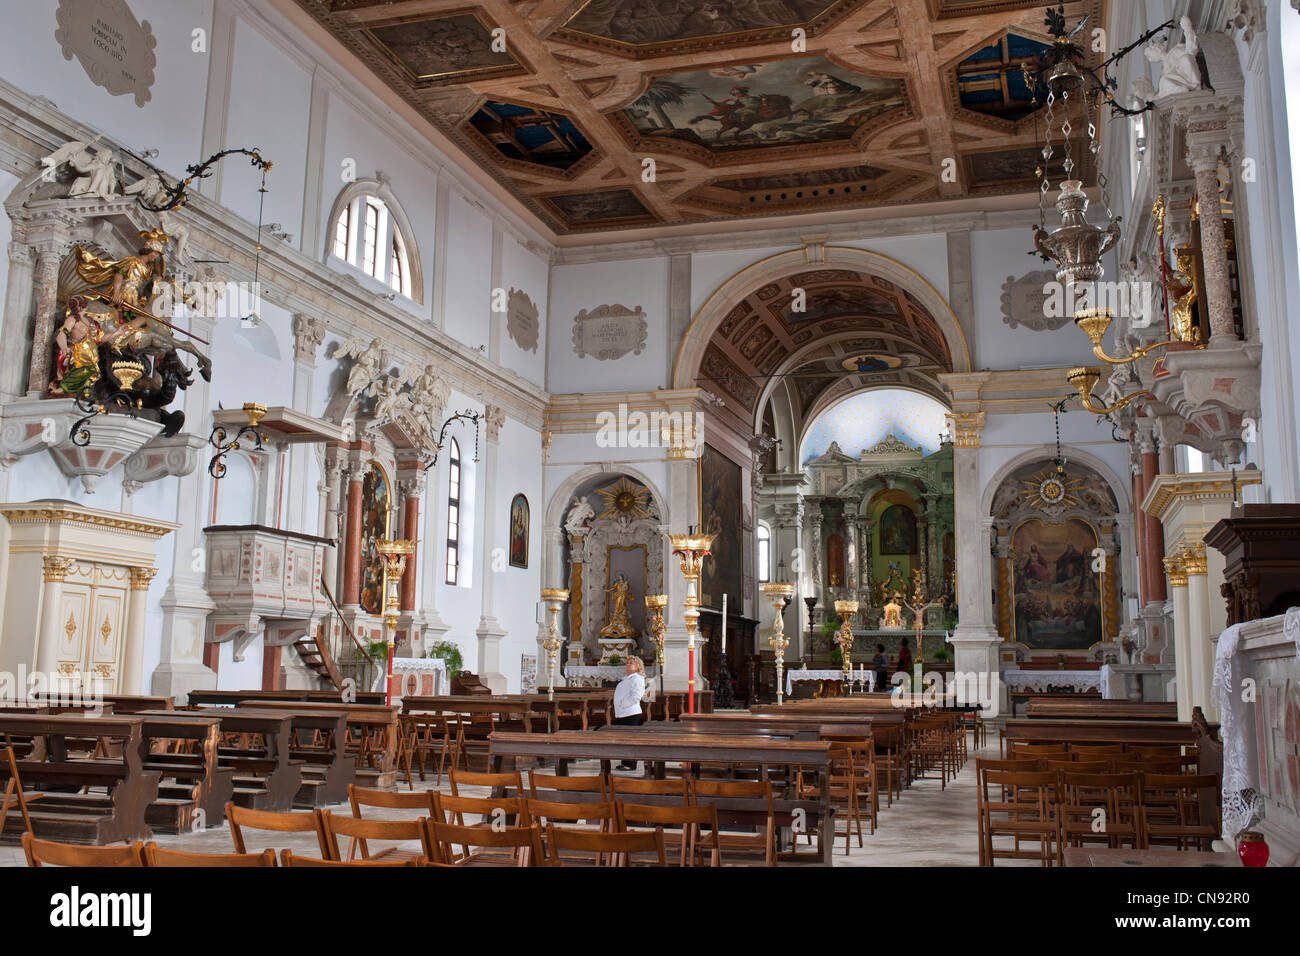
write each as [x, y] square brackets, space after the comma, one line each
[627, 700]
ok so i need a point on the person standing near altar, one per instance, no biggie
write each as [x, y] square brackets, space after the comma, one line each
[904, 657]
[627, 700]
[880, 663]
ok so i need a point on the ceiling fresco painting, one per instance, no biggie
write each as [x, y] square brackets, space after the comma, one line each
[566, 105]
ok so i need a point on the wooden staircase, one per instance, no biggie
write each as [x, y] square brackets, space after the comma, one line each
[314, 651]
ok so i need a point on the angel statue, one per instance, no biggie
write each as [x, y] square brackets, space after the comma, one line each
[580, 512]
[367, 367]
[153, 191]
[429, 394]
[97, 175]
[1179, 71]
[124, 288]
[390, 398]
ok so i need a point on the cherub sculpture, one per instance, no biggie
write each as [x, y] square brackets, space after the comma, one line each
[153, 191]
[367, 366]
[96, 167]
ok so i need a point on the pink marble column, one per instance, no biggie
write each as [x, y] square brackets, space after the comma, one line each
[1204, 159]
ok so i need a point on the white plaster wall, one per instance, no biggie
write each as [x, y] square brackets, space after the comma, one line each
[468, 304]
[245, 674]
[530, 273]
[995, 255]
[630, 283]
[927, 255]
[516, 591]
[171, 120]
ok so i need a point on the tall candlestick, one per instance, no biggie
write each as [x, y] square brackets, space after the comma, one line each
[724, 623]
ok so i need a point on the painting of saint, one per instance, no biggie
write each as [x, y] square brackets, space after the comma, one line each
[720, 515]
[804, 100]
[519, 532]
[376, 499]
[898, 530]
[1057, 603]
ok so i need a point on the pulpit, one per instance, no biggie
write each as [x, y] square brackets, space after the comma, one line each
[1261, 551]
[76, 588]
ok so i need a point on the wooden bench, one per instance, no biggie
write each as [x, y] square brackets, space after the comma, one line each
[63, 813]
[1045, 730]
[1024, 696]
[256, 747]
[375, 762]
[658, 748]
[1100, 709]
[230, 698]
[193, 787]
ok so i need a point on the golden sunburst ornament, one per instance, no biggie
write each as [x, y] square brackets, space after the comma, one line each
[624, 498]
[1052, 490]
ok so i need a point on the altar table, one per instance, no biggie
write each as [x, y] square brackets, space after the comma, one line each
[799, 673]
[1040, 680]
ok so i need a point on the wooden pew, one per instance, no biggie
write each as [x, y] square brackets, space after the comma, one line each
[230, 698]
[65, 814]
[376, 766]
[1045, 730]
[1020, 696]
[854, 724]
[657, 748]
[137, 703]
[190, 779]
[320, 741]
[1097, 708]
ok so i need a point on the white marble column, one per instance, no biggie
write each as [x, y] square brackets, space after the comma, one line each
[851, 557]
[1178, 597]
[683, 513]
[47, 660]
[17, 317]
[1199, 637]
[132, 680]
[308, 333]
[490, 632]
[975, 641]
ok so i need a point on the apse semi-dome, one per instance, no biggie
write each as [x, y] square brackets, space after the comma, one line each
[863, 420]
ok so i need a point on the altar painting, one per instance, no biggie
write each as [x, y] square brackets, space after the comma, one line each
[376, 500]
[720, 515]
[1057, 605]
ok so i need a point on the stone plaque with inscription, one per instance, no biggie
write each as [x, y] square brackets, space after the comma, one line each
[609, 332]
[521, 320]
[1023, 302]
[114, 48]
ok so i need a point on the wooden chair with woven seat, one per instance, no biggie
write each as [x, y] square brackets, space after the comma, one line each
[241, 818]
[154, 855]
[986, 807]
[1016, 748]
[539, 783]
[892, 758]
[1022, 805]
[14, 791]
[862, 750]
[420, 802]
[642, 786]
[1128, 763]
[1090, 751]
[1075, 766]
[606, 849]
[689, 821]
[483, 844]
[575, 815]
[288, 858]
[1180, 810]
[1099, 808]
[510, 780]
[763, 840]
[50, 853]
[430, 735]
[491, 812]
[361, 830]
[841, 782]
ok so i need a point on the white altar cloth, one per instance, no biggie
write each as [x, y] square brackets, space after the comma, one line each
[1040, 680]
[800, 674]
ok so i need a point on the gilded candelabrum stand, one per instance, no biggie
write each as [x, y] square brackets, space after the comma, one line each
[554, 598]
[658, 631]
[692, 548]
[778, 592]
[846, 610]
[394, 554]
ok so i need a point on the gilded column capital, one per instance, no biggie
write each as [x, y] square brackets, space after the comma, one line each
[141, 578]
[966, 428]
[1175, 570]
[57, 568]
[1193, 557]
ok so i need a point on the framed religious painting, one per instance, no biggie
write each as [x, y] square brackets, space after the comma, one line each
[720, 516]
[898, 530]
[376, 501]
[519, 532]
[1055, 597]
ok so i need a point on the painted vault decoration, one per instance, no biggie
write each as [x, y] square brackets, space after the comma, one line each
[863, 116]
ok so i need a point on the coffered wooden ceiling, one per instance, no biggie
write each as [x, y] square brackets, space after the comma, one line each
[567, 112]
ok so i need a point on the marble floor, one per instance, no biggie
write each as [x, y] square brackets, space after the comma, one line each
[928, 826]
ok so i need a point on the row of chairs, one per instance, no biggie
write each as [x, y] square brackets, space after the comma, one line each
[51, 853]
[1072, 803]
[1154, 758]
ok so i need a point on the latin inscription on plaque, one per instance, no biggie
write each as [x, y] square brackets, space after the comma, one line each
[609, 332]
[1023, 302]
[114, 48]
[521, 320]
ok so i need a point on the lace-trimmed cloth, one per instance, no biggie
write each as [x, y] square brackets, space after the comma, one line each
[1241, 804]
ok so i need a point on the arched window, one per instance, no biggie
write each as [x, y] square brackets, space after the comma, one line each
[453, 513]
[372, 234]
[764, 554]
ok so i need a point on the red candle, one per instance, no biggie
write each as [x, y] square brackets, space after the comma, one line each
[1252, 849]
